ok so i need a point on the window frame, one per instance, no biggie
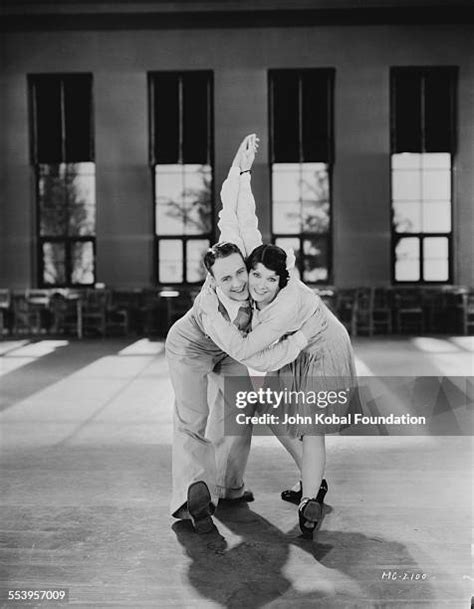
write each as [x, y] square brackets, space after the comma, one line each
[35, 163]
[395, 237]
[184, 239]
[330, 72]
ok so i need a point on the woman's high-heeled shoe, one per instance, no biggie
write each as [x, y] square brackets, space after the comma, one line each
[310, 513]
[295, 496]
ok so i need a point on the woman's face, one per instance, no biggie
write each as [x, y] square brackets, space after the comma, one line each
[263, 285]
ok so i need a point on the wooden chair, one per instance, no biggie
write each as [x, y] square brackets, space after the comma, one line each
[382, 318]
[31, 312]
[434, 305]
[409, 310]
[150, 314]
[467, 313]
[364, 306]
[175, 303]
[94, 311]
[5, 312]
[117, 314]
[39, 303]
[66, 307]
[346, 309]
[329, 297]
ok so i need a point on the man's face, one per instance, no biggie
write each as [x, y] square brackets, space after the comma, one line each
[230, 275]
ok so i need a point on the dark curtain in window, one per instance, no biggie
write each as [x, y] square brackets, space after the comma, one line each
[181, 117]
[47, 137]
[406, 112]
[301, 115]
[285, 114]
[196, 118]
[317, 87]
[423, 109]
[439, 110]
[78, 118]
[62, 118]
[165, 118]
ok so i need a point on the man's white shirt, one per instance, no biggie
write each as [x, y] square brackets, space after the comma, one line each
[231, 306]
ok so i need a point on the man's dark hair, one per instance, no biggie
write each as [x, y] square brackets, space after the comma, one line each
[220, 250]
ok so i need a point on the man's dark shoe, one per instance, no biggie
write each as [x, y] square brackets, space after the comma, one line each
[246, 497]
[296, 496]
[200, 507]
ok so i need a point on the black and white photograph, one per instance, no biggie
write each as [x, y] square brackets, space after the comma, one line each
[237, 304]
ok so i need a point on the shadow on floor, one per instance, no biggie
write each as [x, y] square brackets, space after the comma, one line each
[45, 370]
[340, 569]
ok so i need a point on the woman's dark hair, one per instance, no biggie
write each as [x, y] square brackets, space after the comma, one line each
[273, 258]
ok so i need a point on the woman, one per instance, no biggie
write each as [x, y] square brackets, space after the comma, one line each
[282, 304]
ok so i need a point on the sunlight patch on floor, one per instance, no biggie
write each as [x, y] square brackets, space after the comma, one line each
[435, 345]
[16, 354]
[144, 346]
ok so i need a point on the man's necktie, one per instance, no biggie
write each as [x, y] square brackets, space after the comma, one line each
[244, 315]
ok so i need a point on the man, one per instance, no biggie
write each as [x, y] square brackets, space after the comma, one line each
[204, 470]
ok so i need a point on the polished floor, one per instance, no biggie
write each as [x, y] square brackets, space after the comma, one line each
[85, 429]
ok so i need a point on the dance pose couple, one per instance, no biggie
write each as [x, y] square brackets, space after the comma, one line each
[252, 312]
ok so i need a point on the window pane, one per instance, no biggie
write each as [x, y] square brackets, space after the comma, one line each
[436, 185]
[197, 203]
[435, 247]
[169, 220]
[436, 160]
[52, 200]
[54, 263]
[436, 259]
[196, 118]
[169, 191]
[285, 116]
[315, 217]
[315, 260]
[408, 248]
[53, 221]
[47, 109]
[81, 198]
[305, 182]
[316, 115]
[314, 182]
[437, 217]
[288, 243]
[286, 182]
[169, 182]
[165, 117]
[170, 261]
[406, 111]
[82, 260]
[407, 217]
[51, 183]
[407, 264]
[407, 270]
[406, 185]
[406, 160]
[78, 117]
[195, 250]
[435, 270]
[287, 218]
[183, 199]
